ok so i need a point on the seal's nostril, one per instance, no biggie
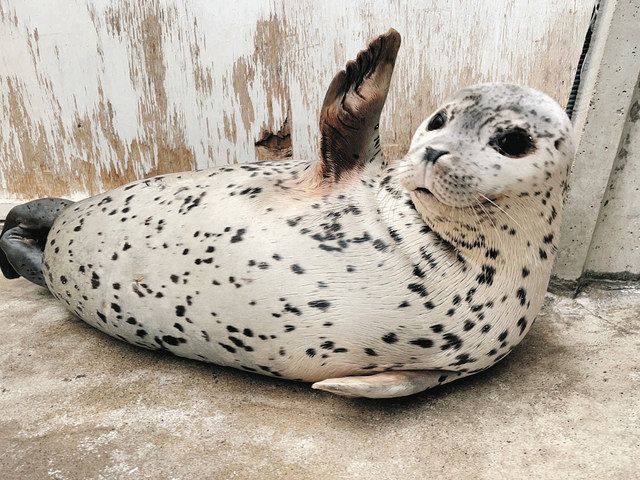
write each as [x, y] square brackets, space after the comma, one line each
[432, 155]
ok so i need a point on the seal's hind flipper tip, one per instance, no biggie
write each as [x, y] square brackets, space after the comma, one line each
[392, 41]
[380, 52]
[6, 268]
[24, 254]
[23, 235]
[352, 105]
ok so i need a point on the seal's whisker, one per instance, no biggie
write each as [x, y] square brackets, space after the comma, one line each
[476, 220]
[487, 214]
[497, 238]
[502, 210]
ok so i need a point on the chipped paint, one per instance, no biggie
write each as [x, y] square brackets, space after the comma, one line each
[96, 93]
[275, 146]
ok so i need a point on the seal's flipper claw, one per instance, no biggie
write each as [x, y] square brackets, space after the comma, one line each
[24, 235]
[386, 384]
[351, 109]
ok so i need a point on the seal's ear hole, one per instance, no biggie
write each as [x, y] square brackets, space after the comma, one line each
[438, 121]
[513, 143]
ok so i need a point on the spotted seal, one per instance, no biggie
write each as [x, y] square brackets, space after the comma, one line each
[367, 278]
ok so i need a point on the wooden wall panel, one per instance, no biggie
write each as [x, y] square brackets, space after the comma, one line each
[95, 93]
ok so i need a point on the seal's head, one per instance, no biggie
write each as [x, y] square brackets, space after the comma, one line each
[488, 142]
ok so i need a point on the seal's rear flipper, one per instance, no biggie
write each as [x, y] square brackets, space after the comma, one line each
[23, 255]
[386, 384]
[351, 109]
[24, 236]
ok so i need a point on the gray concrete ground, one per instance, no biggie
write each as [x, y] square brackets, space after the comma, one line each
[76, 404]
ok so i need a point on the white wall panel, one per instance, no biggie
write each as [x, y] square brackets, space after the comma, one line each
[95, 93]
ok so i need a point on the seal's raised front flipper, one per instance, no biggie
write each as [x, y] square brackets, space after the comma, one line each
[351, 109]
[24, 236]
[386, 384]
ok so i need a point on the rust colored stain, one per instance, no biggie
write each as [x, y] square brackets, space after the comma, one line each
[269, 64]
[203, 75]
[243, 75]
[38, 175]
[230, 131]
[271, 44]
[146, 23]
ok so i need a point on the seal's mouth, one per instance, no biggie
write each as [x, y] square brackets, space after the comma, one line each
[427, 197]
[426, 191]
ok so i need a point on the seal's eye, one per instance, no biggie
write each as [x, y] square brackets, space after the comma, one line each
[513, 143]
[437, 122]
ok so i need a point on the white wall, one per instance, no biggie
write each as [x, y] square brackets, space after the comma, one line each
[95, 93]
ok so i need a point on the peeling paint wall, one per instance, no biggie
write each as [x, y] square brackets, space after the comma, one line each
[95, 93]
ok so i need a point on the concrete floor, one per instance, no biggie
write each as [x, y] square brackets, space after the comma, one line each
[76, 404]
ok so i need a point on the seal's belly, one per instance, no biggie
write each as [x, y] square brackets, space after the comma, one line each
[223, 273]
